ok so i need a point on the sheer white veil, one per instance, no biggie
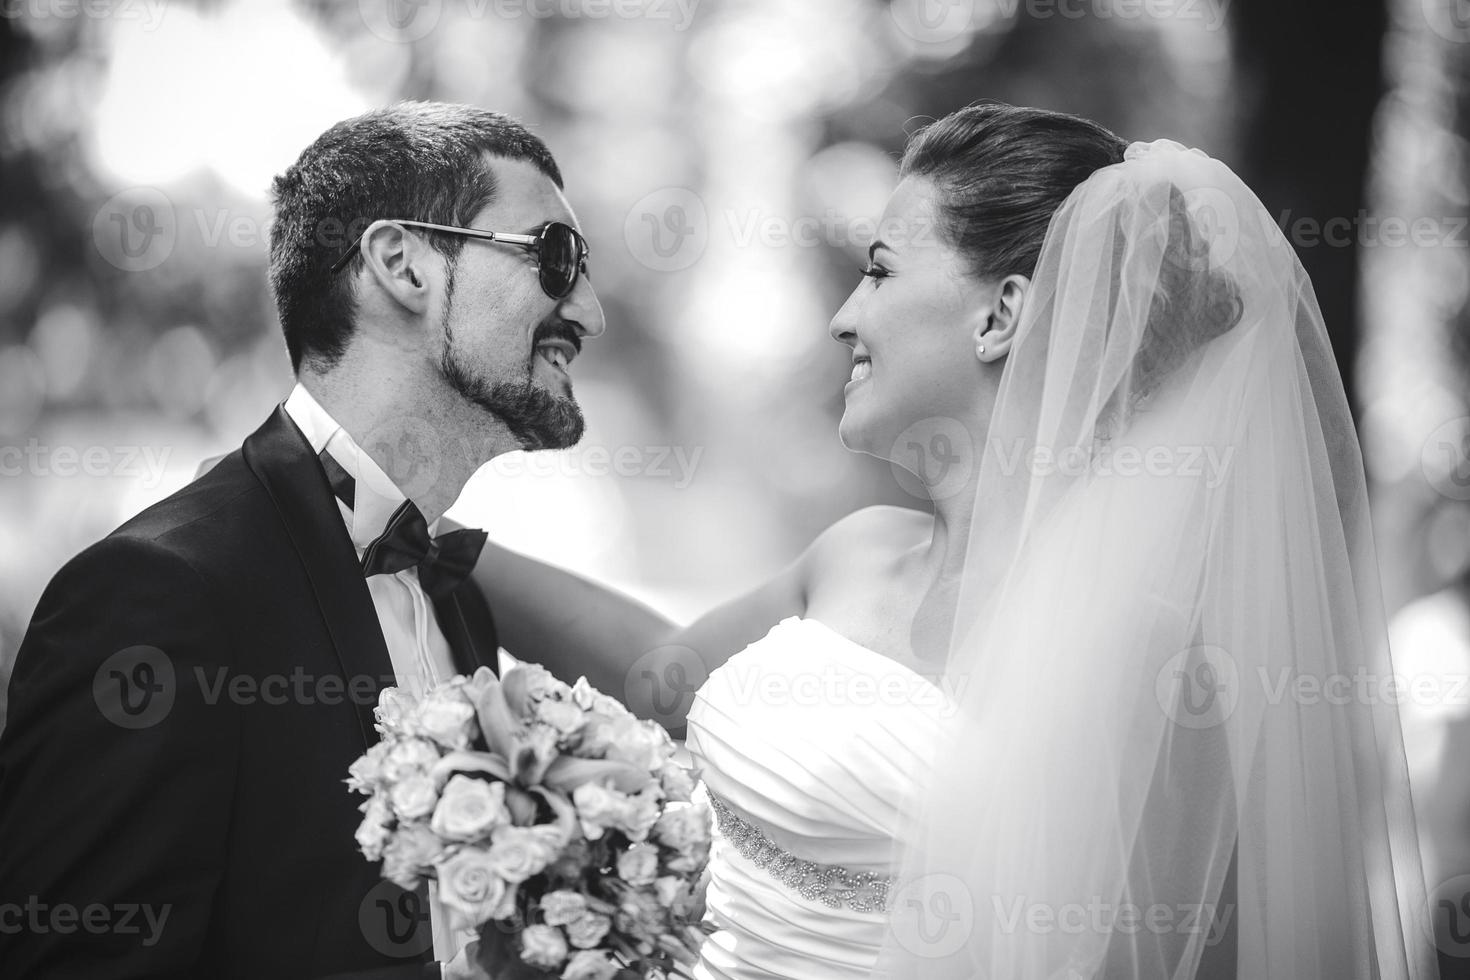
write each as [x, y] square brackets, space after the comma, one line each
[1178, 750]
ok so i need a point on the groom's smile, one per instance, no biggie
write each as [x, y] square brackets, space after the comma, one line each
[556, 347]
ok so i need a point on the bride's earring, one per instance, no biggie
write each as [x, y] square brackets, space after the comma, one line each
[980, 332]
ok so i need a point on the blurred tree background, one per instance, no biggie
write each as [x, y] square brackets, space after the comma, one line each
[723, 157]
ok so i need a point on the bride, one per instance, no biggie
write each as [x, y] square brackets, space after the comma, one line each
[1096, 715]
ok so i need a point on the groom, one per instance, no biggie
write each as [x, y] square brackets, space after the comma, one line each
[192, 688]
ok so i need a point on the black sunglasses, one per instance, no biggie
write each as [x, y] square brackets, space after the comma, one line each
[560, 250]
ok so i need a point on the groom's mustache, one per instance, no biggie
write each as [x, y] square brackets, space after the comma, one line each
[557, 330]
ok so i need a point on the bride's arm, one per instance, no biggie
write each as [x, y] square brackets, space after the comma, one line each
[575, 626]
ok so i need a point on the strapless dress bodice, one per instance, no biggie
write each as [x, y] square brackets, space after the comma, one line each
[810, 747]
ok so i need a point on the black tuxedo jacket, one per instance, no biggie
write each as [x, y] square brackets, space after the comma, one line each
[183, 710]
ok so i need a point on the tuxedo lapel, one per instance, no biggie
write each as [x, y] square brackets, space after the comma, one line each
[464, 618]
[282, 460]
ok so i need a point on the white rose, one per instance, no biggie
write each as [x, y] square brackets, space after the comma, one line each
[589, 698]
[469, 885]
[640, 744]
[373, 832]
[411, 756]
[590, 964]
[393, 710]
[598, 808]
[563, 716]
[520, 852]
[367, 770]
[525, 684]
[562, 906]
[640, 814]
[668, 889]
[638, 865]
[414, 797]
[677, 782]
[684, 829]
[598, 733]
[584, 695]
[543, 946]
[588, 929]
[646, 915]
[448, 719]
[469, 808]
[413, 849]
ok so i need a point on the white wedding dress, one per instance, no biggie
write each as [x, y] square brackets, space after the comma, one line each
[808, 744]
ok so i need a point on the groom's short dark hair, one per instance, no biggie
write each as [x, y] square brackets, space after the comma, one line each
[419, 160]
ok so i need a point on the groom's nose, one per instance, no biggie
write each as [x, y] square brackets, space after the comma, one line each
[582, 310]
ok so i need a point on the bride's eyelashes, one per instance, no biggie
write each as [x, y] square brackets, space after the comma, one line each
[875, 272]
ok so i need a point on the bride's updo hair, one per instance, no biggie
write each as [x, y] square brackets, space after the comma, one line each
[1196, 301]
[1001, 172]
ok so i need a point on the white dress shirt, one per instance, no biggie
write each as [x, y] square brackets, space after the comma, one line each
[416, 646]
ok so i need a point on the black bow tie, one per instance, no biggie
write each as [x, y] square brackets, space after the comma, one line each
[443, 561]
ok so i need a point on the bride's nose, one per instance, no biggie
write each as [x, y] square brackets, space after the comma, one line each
[843, 327]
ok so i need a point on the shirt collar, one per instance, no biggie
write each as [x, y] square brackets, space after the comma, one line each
[375, 497]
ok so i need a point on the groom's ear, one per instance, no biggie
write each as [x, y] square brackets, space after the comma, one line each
[1001, 316]
[395, 259]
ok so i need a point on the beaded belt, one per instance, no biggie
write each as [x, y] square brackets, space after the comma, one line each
[834, 886]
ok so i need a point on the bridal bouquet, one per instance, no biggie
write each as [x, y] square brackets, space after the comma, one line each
[544, 811]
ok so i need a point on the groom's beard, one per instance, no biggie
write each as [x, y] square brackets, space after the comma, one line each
[536, 417]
